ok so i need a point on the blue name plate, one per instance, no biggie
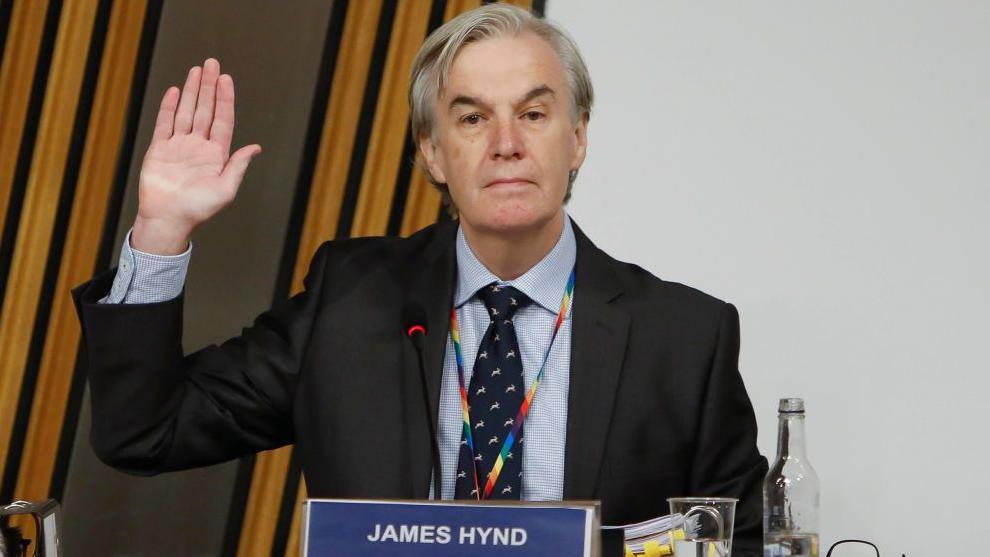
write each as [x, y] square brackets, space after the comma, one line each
[406, 529]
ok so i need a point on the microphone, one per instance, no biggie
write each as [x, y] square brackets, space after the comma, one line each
[414, 327]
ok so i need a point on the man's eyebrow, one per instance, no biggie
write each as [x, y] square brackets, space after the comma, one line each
[537, 92]
[468, 100]
[474, 101]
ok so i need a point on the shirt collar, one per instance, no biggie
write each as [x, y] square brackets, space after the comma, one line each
[544, 283]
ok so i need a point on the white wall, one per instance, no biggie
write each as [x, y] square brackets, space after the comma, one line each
[825, 166]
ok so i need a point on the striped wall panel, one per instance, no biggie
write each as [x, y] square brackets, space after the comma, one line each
[31, 37]
[29, 31]
[6, 6]
[385, 146]
[43, 190]
[103, 138]
[65, 88]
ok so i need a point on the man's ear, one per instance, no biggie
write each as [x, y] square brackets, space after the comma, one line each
[433, 158]
[580, 142]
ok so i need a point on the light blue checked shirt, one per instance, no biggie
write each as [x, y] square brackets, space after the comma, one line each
[145, 278]
[545, 429]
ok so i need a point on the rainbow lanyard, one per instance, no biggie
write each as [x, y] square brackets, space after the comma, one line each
[565, 304]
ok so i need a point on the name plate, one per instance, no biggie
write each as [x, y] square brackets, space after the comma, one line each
[414, 528]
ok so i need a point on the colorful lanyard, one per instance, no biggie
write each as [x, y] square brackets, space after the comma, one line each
[565, 304]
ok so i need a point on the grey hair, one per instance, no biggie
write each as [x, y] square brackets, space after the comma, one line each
[432, 66]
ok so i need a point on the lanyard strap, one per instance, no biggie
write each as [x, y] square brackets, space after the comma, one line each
[565, 304]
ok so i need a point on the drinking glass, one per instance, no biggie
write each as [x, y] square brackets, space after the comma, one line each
[707, 527]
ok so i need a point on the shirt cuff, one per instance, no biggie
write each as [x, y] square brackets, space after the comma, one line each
[145, 278]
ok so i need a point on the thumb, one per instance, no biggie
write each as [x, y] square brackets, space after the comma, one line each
[233, 172]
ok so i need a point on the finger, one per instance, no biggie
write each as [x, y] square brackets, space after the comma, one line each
[166, 115]
[223, 121]
[207, 95]
[233, 172]
[187, 104]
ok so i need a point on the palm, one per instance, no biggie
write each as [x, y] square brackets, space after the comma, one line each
[188, 174]
[181, 178]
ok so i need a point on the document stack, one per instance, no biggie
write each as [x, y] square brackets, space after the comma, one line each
[655, 537]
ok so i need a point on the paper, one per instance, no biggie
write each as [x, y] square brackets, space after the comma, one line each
[654, 537]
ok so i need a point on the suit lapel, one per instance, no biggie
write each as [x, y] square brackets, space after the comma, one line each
[598, 342]
[431, 287]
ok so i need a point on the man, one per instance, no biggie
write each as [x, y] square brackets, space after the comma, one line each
[584, 377]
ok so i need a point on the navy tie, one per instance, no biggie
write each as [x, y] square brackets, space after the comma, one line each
[495, 394]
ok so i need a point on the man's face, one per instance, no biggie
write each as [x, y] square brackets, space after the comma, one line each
[505, 141]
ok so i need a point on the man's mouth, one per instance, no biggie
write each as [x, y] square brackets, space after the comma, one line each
[509, 181]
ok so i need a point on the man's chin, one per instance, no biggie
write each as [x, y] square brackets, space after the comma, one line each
[512, 222]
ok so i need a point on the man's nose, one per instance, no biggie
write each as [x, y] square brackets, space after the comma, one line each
[508, 142]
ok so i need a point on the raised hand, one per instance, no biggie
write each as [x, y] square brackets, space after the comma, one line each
[188, 173]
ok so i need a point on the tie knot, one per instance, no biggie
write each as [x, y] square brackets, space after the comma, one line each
[502, 301]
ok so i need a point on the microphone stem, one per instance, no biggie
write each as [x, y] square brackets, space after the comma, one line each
[430, 421]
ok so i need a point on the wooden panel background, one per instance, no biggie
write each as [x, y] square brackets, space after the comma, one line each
[65, 88]
[70, 79]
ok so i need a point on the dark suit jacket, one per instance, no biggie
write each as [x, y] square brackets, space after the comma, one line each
[657, 405]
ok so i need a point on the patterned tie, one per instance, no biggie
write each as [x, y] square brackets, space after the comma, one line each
[495, 394]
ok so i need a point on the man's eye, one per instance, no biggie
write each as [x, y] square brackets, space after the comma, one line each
[471, 119]
[534, 115]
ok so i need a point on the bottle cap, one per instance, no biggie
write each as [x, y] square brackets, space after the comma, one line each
[791, 406]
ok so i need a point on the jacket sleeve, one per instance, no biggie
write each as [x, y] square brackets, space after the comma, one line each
[156, 410]
[727, 462]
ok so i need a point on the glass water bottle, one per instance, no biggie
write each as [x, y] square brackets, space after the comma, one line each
[790, 491]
